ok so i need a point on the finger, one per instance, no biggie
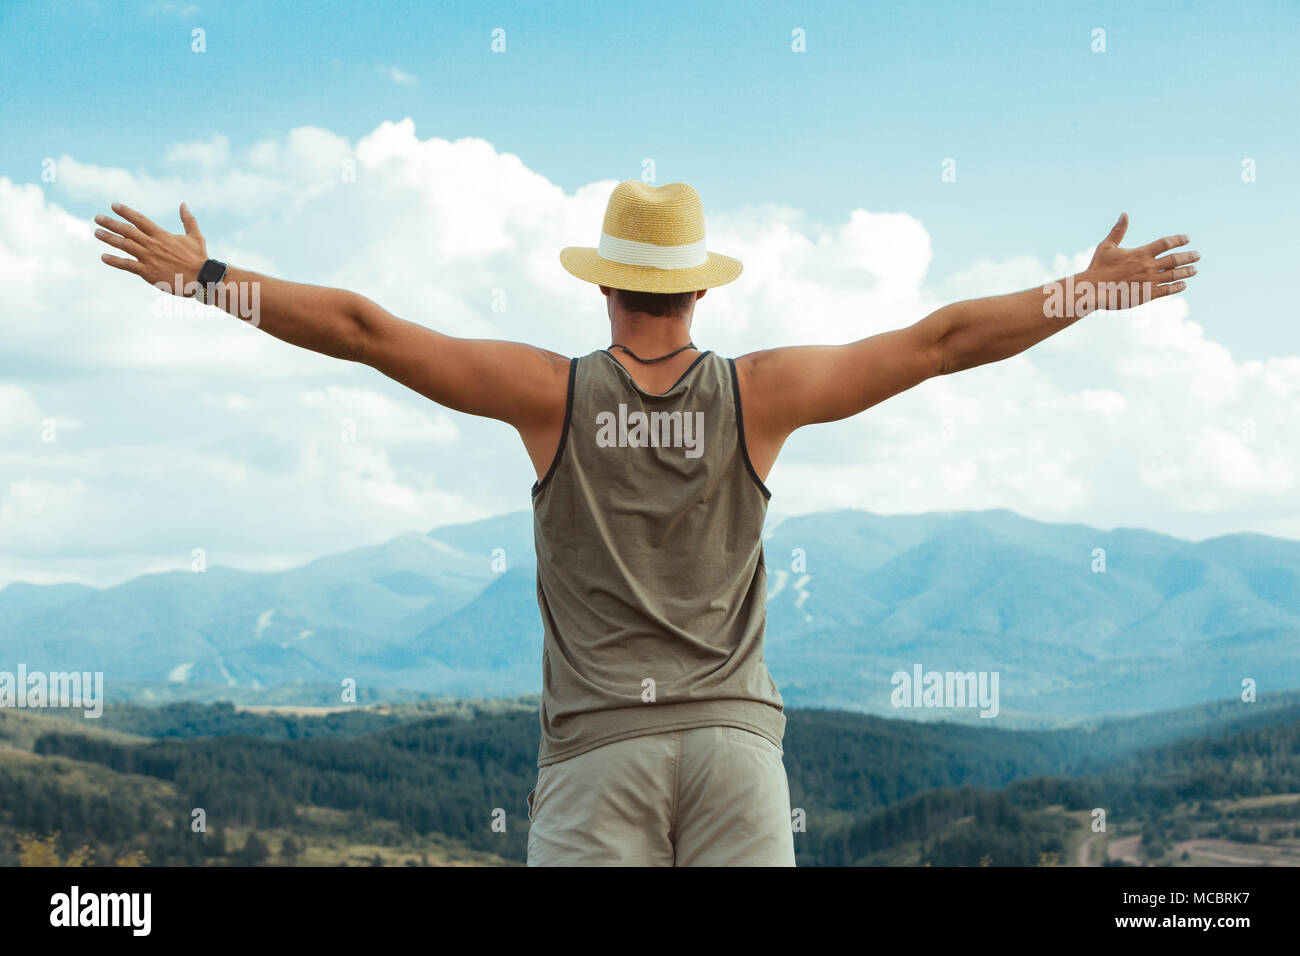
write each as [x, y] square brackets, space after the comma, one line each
[139, 220]
[1184, 273]
[1177, 259]
[117, 242]
[121, 228]
[189, 222]
[1164, 245]
[126, 265]
[1117, 231]
[1170, 289]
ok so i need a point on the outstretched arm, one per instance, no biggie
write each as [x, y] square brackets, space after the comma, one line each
[785, 389]
[508, 381]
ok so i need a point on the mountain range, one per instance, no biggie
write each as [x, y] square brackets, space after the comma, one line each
[1076, 621]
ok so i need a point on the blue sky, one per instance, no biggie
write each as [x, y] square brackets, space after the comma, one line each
[1051, 139]
[821, 170]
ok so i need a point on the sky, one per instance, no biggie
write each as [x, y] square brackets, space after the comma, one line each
[127, 437]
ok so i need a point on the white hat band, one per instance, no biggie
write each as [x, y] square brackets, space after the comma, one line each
[633, 253]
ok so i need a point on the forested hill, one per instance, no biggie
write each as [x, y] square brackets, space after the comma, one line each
[871, 789]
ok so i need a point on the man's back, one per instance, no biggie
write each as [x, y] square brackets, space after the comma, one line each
[651, 582]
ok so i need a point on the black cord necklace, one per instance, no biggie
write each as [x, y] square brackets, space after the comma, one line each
[651, 361]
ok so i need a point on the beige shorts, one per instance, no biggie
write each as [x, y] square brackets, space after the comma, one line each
[712, 796]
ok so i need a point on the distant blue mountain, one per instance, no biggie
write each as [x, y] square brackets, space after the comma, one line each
[852, 598]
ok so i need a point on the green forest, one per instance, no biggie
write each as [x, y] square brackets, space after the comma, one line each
[399, 786]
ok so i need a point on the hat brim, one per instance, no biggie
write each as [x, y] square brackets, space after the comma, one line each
[586, 264]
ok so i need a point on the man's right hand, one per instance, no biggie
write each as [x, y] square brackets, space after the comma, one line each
[1143, 273]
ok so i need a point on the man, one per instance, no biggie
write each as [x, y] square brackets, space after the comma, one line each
[661, 728]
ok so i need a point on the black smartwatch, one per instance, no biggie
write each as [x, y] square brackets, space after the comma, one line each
[211, 273]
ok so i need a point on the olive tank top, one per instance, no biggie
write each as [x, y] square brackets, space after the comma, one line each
[650, 574]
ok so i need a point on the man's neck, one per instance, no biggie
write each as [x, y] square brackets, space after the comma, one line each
[650, 336]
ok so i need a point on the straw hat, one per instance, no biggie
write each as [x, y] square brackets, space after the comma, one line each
[652, 241]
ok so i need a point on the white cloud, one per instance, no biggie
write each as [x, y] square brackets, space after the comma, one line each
[401, 77]
[208, 155]
[18, 411]
[201, 431]
[373, 416]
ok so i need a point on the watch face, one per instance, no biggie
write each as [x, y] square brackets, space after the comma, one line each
[212, 271]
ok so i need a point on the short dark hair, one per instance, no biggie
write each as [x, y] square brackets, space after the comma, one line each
[655, 303]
